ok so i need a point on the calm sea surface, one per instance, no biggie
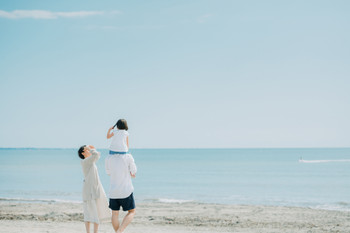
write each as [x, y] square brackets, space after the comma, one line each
[233, 176]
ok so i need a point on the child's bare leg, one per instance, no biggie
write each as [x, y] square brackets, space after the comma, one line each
[95, 227]
[87, 226]
[127, 219]
[115, 220]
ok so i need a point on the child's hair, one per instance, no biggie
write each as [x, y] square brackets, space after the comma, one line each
[121, 124]
[80, 151]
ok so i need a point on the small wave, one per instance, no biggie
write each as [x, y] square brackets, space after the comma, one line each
[324, 161]
[37, 200]
[335, 207]
[342, 203]
[165, 200]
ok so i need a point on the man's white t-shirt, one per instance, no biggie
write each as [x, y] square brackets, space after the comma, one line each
[119, 143]
[119, 167]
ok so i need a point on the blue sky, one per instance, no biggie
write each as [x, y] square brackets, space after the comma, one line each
[185, 74]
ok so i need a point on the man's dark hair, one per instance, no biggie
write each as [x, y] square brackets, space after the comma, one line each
[80, 151]
[121, 124]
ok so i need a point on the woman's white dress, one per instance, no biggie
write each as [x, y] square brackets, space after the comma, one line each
[94, 197]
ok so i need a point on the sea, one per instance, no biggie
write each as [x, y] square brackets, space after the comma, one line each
[314, 177]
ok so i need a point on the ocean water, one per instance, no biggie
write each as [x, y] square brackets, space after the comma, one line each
[227, 176]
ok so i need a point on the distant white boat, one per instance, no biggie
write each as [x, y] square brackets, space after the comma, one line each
[301, 160]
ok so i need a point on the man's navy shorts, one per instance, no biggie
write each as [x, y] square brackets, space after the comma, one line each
[127, 203]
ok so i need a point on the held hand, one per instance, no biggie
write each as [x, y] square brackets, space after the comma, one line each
[132, 176]
[111, 128]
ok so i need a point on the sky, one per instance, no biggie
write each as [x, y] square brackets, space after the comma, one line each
[184, 74]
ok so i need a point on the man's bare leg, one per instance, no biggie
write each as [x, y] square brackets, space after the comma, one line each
[127, 219]
[115, 220]
[95, 227]
[87, 226]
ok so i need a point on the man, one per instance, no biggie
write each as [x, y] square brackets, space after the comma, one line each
[120, 166]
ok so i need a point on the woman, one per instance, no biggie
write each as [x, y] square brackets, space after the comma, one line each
[95, 201]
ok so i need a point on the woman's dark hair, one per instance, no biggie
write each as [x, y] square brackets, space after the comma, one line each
[80, 151]
[121, 124]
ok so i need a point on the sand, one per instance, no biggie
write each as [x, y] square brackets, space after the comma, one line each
[55, 217]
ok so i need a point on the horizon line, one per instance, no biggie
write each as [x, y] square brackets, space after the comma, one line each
[180, 148]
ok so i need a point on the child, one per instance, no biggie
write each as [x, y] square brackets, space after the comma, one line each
[94, 197]
[120, 138]
[120, 166]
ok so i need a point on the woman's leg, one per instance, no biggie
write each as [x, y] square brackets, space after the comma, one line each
[87, 226]
[95, 227]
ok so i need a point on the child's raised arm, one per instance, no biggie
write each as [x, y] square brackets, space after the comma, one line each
[109, 134]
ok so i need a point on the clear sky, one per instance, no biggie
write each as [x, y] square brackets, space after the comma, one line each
[185, 74]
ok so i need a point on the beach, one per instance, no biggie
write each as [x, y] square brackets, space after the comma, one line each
[255, 190]
[54, 217]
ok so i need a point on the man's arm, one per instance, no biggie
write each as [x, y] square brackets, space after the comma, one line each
[132, 166]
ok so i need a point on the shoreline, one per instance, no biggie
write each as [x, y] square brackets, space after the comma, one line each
[179, 201]
[174, 217]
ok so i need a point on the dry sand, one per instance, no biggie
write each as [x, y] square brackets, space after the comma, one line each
[16, 217]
